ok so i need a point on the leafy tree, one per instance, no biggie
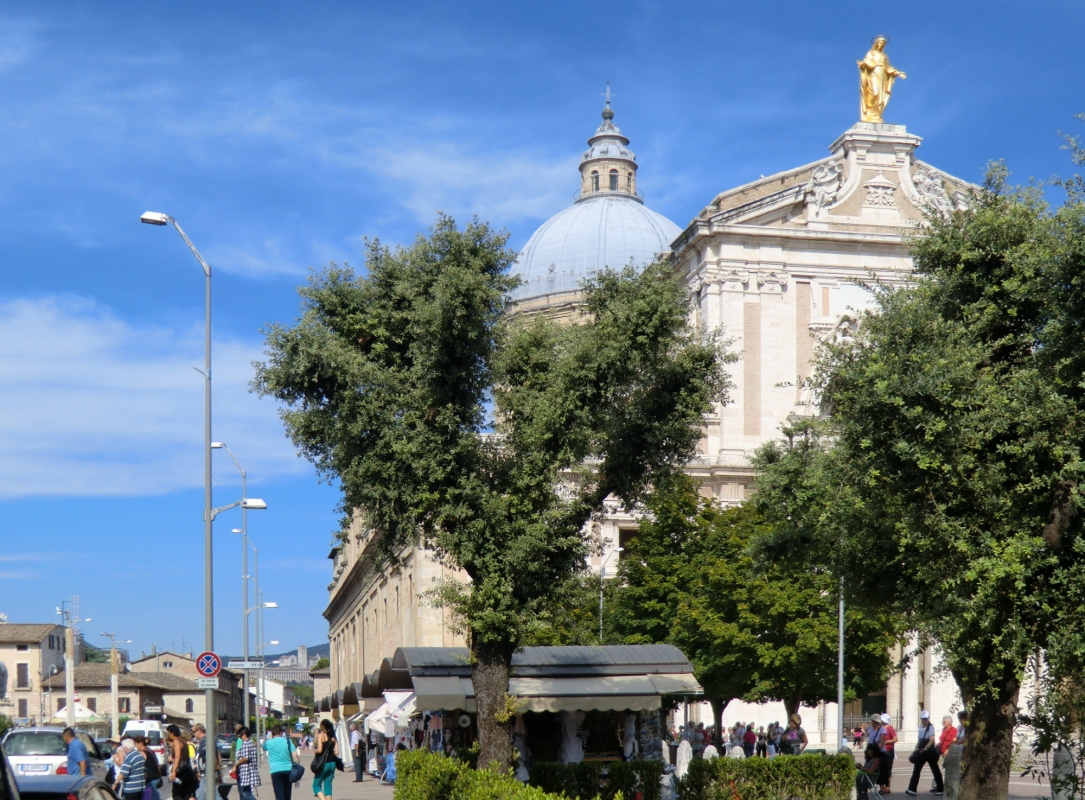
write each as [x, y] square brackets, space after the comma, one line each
[952, 490]
[572, 615]
[388, 378]
[752, 631]
[323, 663]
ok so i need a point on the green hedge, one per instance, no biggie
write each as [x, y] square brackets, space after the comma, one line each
[781, 778]
[429, 776]
[593, 779]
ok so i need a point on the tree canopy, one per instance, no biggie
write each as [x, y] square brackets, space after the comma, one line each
[752, 632]
[489, 438]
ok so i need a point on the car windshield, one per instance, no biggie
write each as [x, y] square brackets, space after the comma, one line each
[154, 738]
[34, 743]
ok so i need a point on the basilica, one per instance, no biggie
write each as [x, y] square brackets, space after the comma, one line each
[777, 264]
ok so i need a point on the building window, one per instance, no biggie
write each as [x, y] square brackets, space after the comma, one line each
[22, 648]
[22, 676]
[167, 665]
[124, 705]
[189, 706]
[50, 641]
[23, 711]
[629, 182]
[92, 704]
[594, 181]
[61, 702]
[614, 180]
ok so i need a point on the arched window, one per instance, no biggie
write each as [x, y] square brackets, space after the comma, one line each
[189, 706]
[629, 182]
[594, 181]
[614, 180]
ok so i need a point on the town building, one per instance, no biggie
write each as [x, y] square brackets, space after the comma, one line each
[29, 654]
[92, 689]
[776, 264]
[277, 696]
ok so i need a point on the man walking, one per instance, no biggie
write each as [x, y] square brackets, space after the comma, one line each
[77, 753]
[357, 747]
[248, 773]
[199, 733]
[131, 776]
[926, 752]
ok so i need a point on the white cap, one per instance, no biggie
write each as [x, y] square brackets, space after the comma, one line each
[886, 719]
[924, 715]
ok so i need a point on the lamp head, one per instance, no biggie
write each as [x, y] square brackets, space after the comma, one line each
[253, 504]
[237, 530]
[274, 641]
[217, 445]
[271, 605]
[154, 218]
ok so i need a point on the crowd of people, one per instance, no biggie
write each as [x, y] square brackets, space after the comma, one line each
[741, 739]
[135, 773]
[932, 745]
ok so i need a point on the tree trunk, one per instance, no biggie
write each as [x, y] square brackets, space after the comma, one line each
[988, 747]
[718, 704]
[490, 676]
[791, 706]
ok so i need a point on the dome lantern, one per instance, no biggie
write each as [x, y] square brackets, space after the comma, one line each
[608, 165]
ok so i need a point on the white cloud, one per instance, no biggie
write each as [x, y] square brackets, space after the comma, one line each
[92, 405]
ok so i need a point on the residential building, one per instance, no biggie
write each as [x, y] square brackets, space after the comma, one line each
[277, 696]
[29, 654]
[92, 689]
[183, 665]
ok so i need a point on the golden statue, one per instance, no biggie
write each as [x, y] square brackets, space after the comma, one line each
[876, 76]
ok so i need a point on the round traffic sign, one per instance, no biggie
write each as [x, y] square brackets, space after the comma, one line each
[208, 664]
[263, 711]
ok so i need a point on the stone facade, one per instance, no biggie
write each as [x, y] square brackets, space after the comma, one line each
[27, 654]
[161, 666]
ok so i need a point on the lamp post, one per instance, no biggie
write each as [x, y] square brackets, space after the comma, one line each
[48, 695]
[261, 720]
[244, 531]
[114, 684]
[602, 574]
[259, 607]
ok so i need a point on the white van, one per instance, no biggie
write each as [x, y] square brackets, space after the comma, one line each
[153, 731]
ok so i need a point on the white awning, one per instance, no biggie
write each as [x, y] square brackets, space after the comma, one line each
[450, 693]
[676, 683]
[595, 693]
[393, 704]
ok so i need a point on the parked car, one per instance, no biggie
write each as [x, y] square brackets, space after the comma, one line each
[105, 748]
[224, 745]
[39, 752]
[64, 787]
[8, 788]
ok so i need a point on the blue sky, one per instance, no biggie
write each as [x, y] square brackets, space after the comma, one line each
[281, 135]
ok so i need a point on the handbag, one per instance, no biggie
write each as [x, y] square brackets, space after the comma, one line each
[297, 772]
[321, 758]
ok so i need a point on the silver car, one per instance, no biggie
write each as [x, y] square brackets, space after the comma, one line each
[41, 751]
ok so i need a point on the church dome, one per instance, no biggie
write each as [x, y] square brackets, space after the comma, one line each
[607, 226]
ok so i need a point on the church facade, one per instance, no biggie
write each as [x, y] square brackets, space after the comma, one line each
[777, 265]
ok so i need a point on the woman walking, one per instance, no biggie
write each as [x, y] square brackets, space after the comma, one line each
[324, 760]
[182, 775]
[281, 757]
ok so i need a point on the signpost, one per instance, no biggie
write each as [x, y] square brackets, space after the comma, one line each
[152, 709]
[207, 683]
[208, 664]
[263, 711]
[245, 664]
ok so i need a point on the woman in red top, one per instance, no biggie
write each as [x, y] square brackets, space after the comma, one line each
[949, 735]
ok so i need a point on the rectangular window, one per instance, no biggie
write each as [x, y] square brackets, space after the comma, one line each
[22, 648]
[167, 665]
[92, 704]
[124, 705]
[23, 709]
[22, 676]
[61, 702]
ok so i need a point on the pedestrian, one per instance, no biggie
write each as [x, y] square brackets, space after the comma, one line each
[78, 763]
[962, 723]
[357, 747]
[889, 743]
[281, 757]
[698, 741]
[858, 734]
[130, 777]
[152, 775]
[199, 733]
[762, 743]
[926, 752]
[182, 773]
[325, 758]
[749, 741]
[246, 766]
[794, 739]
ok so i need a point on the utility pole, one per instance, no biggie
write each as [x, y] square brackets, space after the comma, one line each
[114, 683]
[70, 615]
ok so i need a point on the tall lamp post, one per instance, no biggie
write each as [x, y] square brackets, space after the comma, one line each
[602, 574]
[114, 684]
[244, 531]
[160, 219]
[261, 721]
[69, 612]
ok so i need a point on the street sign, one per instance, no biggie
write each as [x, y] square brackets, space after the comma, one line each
[263, 711]
[207, 683]
[208, 664]
[303, 720]
[299, 727]
[152, 709]
[245, 664]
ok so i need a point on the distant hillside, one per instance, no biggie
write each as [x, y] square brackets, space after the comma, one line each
[315, 651]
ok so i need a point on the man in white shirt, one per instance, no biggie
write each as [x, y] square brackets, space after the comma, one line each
[357, 747]
[926, 752]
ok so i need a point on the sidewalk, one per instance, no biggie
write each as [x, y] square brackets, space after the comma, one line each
[343, 789]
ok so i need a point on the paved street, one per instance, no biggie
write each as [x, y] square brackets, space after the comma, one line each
[344, 788]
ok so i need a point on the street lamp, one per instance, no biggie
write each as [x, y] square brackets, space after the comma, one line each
[114, 681]
[158, 218]
[602, 574]
[69, 612]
